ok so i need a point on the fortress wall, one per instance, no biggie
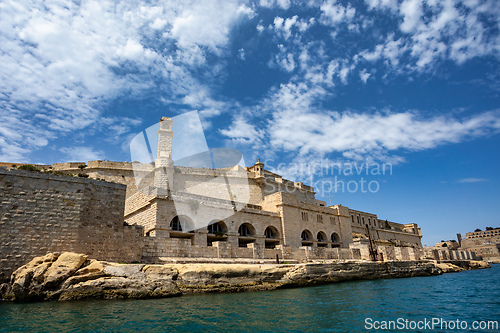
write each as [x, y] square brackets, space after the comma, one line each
[117, 172]
[445, 254]
[480, 241]
[43, 213]
[328, 222]
[242, 188]
[400, 236]
[363, 218]
[391, 235]
[302, 193]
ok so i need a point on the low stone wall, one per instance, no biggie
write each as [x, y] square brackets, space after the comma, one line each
[159, 246]
[42, 212]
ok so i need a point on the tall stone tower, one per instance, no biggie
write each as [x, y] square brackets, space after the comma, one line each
[164, 165]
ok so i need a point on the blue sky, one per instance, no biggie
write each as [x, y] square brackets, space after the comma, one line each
[411, 83]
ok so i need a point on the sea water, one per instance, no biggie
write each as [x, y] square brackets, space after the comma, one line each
[408, 304]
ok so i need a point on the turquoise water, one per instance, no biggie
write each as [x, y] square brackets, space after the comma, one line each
[342, 307]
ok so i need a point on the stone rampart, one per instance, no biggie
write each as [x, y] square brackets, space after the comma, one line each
[42, 212]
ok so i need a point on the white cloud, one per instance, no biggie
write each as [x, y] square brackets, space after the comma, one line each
[133, 50]
[283, 27]
[334, 13]
[286, 61]
[435, 30]
[411, 10]
[208, 23]
[62, 62]
[204, 104]
[81, 154]
[283, 4]
[381, 4]
[472, 180]
[240, 131]
[241, 54]
[364, 76]
[355, 134]
[391, 51]
[299, 124]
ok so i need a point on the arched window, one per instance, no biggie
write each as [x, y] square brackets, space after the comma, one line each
[335, 238]
[352, 218]
[182, 224]
[321, 236]
[175, 224]
[306, 235]
[217, 227]
[271, 232]
[246, 230]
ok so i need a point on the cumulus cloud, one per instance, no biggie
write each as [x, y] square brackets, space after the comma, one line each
[241, 132]
[207, 23]
[63, 62]
[299, 124]
[334, 13]
[366, 133]
[284, 27]
[283, 4]
[364, 76]
[431, 31]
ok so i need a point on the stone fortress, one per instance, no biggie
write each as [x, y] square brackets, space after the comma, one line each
[132, 212]
[484, 244]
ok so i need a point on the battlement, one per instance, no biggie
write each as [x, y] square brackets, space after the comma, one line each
[100, 164]
[66, 165]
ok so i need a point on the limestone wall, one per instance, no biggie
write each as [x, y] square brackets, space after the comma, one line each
[312, 218]
[388, 252]
[399, 238]
[43, 213]
[133, 174]
[443, 254]
[361, 219]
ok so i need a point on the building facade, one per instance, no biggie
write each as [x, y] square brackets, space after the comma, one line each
[239, 212]
[485, 244]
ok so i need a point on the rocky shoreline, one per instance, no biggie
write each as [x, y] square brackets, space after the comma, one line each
[73, 276]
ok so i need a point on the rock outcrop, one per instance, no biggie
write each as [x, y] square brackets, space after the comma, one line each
[72, 276]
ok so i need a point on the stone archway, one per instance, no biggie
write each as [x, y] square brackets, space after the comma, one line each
[335, 238]
[246, 234]
[322, 239]
[272, 237]
[217, 232]
[306, 237]
[181, 226]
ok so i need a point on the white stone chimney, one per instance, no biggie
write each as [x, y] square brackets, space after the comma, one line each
[164, 163]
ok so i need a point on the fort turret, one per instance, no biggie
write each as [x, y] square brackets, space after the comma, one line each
[259, 172]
